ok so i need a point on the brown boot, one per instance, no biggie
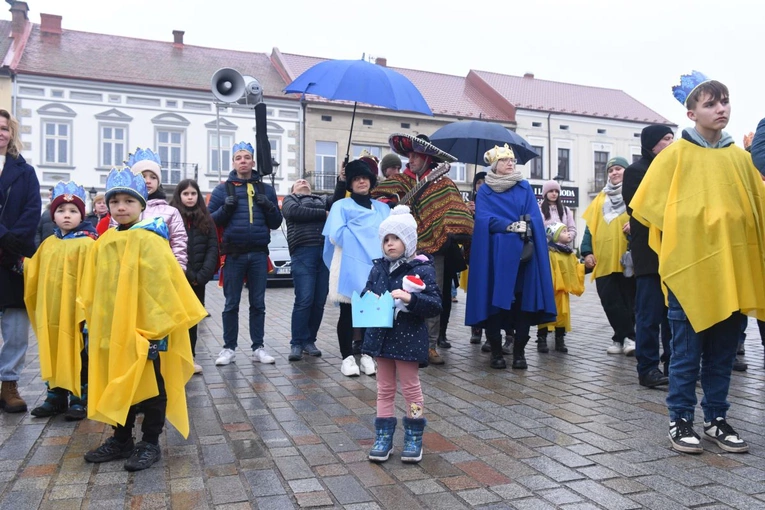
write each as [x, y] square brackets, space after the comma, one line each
[10, 400]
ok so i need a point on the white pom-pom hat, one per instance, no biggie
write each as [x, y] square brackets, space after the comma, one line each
[401, 224]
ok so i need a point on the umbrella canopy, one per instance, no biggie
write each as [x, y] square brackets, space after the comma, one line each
[362, 82]
[468, 140]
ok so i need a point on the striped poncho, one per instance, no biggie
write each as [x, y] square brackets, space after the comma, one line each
[439, 209]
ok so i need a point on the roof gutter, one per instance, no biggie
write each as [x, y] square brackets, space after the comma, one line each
[549, 147]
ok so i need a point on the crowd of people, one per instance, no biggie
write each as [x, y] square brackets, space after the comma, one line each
[673, 243]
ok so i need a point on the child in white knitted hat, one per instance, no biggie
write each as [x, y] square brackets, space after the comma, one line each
[402, 349]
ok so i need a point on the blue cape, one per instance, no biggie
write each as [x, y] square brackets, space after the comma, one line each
[496, 276]
[354, 229]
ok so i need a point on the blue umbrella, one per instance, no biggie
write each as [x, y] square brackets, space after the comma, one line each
[468, 140]
[361, 82]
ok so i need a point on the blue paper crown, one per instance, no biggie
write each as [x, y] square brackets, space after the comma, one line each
[143, 155]
[688, 82]
[70, 190]
[243, 146]
[372, 312]
[124, 181]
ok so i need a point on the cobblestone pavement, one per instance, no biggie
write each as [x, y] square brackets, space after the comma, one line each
[575, 431]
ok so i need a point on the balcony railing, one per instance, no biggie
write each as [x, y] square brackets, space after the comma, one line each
[321, 181]
[173, 173]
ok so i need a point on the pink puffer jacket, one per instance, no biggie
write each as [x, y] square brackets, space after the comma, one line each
[178, 238]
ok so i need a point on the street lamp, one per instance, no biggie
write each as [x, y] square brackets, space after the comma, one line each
[92, 192]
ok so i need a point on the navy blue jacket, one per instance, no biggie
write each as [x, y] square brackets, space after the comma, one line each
[758, 147]
[19, 215]
[243, 232]
[407, 340]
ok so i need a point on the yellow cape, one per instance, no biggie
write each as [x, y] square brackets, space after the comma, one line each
[568, 278]
[608, 240]
[51, 285]
[705, 211]
[133, 290]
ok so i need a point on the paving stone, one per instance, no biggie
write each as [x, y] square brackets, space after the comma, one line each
[475, 497]
[293, 468]
[313, 499]
[17, 500]
[511, 491]
[191, 500]
[419, 487]
[394, 496]
[347, 490]
[305, 485]
[601, 495]
[370, 474]
[532, 504]
[264, 483]
[275, 503]
[442, 501]
[226, 489]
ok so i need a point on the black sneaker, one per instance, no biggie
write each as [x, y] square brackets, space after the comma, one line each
[110, 450]
[311, 349]
[486, 347]
[723, 434]
[443, 342]
[143, 456]
[296, 353]
[683, 437]
[653, 378]
[739, 365]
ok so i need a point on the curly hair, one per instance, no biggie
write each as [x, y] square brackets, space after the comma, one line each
[14, 144]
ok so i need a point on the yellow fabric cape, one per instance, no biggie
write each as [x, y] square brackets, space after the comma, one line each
[51, 285]
[568, 278]
[608, 241]
[706, 212]
[133, 290]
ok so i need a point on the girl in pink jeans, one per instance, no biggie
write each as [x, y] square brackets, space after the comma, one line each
[402, 349]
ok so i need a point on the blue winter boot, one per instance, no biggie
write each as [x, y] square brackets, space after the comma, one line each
[413, 429]
[384, 430]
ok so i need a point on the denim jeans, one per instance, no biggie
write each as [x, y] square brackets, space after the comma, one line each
[14, 324]
[650, 317]
[311, 279]
[254, 267]
[714, 349]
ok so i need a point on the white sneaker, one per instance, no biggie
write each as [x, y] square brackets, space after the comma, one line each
[629, 347]
[368, 364]
[197, 368]
[616, 348]
[225, 357]
[349, 368]
[262, 356]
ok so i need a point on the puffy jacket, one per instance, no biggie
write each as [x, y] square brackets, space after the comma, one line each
[202, 253]
[158, 207]
[305, 216]
[644, 259]
[45, 227]
[758, 147]
[407, 340]
[19, 216]
[249, 227]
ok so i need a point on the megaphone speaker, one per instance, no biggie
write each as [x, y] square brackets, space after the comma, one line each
[228, 85]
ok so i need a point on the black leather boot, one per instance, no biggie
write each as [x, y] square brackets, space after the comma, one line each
[519, 356]
[542, 339]
[497, 359]
[560, 340]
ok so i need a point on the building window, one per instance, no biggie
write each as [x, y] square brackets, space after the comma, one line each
[170, 148]
[367, 122]
[564, 164]
[457, 172]
[326, 118]
[275, 154]
[564, 127]
[57, 139]
[537, 164]
[405, 125]
[113, 145]
[326, 166]
[536, 124]
[601, 176]
[601, 131]
[224, 151]
[372, 149]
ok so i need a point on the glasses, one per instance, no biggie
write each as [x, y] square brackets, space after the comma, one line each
[508, 160]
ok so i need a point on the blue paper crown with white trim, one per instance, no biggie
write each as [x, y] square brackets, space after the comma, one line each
[688, 83]
[143, 155]
[372, 312]
[243, 146]
[124, 181]
[70, 190]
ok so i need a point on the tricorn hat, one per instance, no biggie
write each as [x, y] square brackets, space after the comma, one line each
[402, 144]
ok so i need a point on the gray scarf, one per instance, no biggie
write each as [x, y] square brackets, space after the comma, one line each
[500, 183]
[614, 204]
[725, 139]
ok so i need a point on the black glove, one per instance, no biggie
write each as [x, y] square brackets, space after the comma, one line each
[11, 243]
[263, 202]
[229, 205]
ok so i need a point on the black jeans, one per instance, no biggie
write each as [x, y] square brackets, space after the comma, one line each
[499, 321]
[617, 296]
[199, 290]
[345, 330]
[153, 410]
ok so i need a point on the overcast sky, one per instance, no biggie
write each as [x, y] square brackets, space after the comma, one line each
[639, 46]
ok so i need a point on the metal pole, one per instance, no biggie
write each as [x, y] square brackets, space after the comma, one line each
[220, 152]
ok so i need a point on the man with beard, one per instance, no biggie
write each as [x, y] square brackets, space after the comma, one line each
[443, 219]
[650, 310]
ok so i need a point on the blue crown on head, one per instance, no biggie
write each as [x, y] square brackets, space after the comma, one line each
[124, 181]
[143, 155]
[70, 190]
[243, 146]
[688, 82]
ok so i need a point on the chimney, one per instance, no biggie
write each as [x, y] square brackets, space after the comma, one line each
[530, 76]
[19, 18]
[381, 61]
[178, 38]
[50, 23]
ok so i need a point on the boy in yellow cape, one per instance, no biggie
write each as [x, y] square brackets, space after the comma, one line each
[139, 307]
[702, 200]
[51, 283]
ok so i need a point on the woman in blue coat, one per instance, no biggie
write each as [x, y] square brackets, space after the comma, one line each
[19, 214]
[503, 286]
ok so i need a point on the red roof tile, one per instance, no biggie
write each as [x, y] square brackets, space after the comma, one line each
[551, 96]
[90, 56]
[445, 94]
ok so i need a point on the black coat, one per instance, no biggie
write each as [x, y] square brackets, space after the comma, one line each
[202, 253]
[45, 227]
[305, 216]
[645, 260]
[407, 340]
[19, 215]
